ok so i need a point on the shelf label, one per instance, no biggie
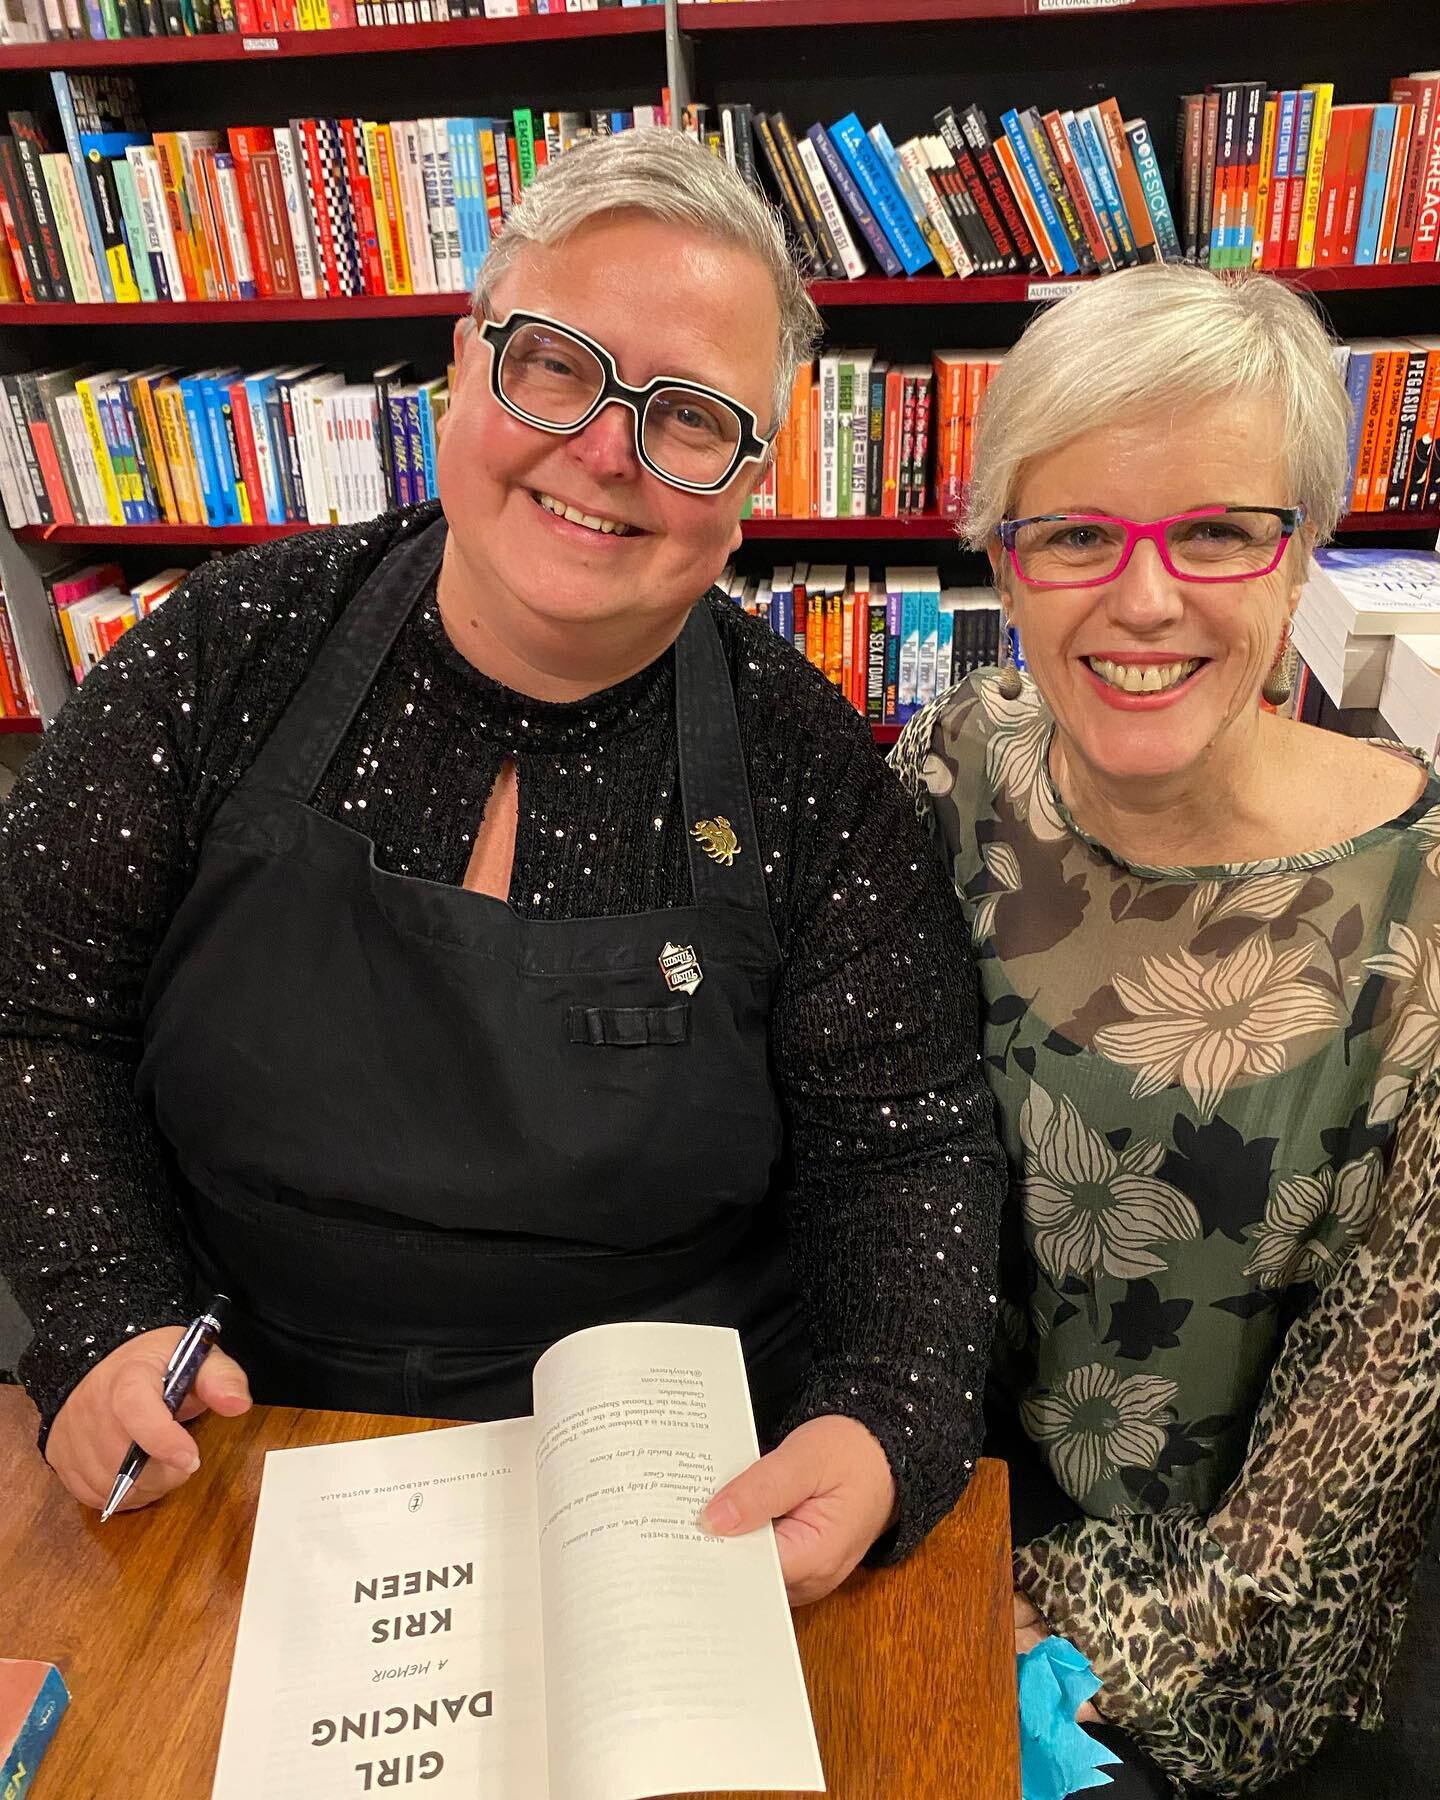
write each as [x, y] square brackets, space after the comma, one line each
[1051, 290]
[1080, 5]
[252, 44]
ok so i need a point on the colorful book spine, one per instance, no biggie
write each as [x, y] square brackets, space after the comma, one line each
[874, 180]
[1044, 203]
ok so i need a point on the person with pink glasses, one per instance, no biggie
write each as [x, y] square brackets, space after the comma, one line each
[1208, 940]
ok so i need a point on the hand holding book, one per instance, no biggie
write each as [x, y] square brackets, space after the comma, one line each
[830, 1492]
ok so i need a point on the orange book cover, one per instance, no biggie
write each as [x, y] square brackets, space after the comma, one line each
[782, 457]
[890, 444]
[490, 173]
[1132, 194]
[204, 245]
[979, 376]
[814, 449]
[834, 636]
[800, 456]
[177, 205]
[1005, 156]
[1395, 181]
[143, 400]
[1369, 412]
[215, 219]
[815, 628]
[1387, 424]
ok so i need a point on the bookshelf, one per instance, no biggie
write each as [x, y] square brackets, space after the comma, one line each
[897, 60]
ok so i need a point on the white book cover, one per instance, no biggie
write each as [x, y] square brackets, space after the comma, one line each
[13, 491]
[227, 186]
[406, 140]
[149, 181]
[860, 431]
[829, 433]
[89, 504]
[305, 399]
[65, 223]
[289, 155]
[1382, 589]
[825, 194]
[527, 1609]
[445, 170]
[429, 169]
[915, 161]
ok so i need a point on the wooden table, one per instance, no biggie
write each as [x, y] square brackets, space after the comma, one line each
[911, 1671]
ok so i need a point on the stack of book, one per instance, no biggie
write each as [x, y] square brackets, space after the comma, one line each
[890, 647]
[1410, 694]
[1059, 193]
[220, 446]
[312, 209]
[1353, 604]
[93, 607]
[1288, 180]
[51, 21]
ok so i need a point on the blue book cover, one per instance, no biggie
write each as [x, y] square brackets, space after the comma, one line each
[1357, 387]
[414, 447]
[458, 132]
[909, 651]
[265, 450]
[133, 438]
[890, 706]
[1039, 192]
[108, 409]
[1286, 112]
[214, 399]
[424, 393]
[1080, 148]
[873, 179]
[70, 129]
[904, 186]
[201, 447]
[944, 647]
[853, 200]
[925, 678]
[1109, 187]
[1300, 147]
[405, 494]
[33, 1696]
[275, 419]
[1377, 171]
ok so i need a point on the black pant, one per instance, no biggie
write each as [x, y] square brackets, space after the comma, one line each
[1038, 1505]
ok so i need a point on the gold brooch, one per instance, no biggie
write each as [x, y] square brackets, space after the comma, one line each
[717, 836]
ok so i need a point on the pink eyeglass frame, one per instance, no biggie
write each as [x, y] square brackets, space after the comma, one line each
[1290, 517]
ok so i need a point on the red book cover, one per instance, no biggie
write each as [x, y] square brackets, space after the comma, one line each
[1395, 181]
[12, 706]
[319, 211]
[50, 470]
[513, 151]
[1332, 183]
[216, 211]
[1279, 213]
[17, 253]
[279, 250]
[362, 200]
[245, 448]
[1423, 94]
[890, 460]
[247, 18]
[246, 141]
[1426, 246]
[1352, 191]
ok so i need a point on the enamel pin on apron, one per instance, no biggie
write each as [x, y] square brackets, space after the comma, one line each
[717, 839]
[681, 967]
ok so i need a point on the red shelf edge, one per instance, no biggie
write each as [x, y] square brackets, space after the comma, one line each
[867, 290]
[805, 14]
[366, 40]
[923, 525]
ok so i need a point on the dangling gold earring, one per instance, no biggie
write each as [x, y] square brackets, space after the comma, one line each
[1280, 682]
[1010, 685]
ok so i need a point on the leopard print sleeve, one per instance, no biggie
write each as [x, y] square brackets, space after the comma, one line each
[1228, 1645]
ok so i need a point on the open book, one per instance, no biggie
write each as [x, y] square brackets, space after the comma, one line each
[525, 1609]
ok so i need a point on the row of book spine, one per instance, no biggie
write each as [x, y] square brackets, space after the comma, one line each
[870, 438]
[1286, 179]
[60, 21]
[1059, 193]
[215, 447]
[316, 208]
[17, 695]
[890, 646]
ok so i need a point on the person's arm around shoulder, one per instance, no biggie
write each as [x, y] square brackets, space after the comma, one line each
[898, 1179]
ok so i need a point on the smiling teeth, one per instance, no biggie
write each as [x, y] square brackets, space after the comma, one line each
[610, 527]
[1153, 679]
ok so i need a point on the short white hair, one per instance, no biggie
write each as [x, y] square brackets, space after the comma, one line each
[662, 174]
[1152, 338]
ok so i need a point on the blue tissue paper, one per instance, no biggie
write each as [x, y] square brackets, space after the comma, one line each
[1057, 1756]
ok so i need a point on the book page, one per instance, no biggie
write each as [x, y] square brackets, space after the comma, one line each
[390, 1632]
[670, 1656]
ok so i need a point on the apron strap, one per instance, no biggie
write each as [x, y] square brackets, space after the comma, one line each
[299, 749]
[714, 786]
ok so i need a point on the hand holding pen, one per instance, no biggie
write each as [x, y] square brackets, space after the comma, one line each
[120, 1409]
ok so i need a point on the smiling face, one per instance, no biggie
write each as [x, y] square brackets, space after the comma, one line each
[1148, 675]
[531, 514]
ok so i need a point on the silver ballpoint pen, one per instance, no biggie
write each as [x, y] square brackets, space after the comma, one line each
[180, 1373]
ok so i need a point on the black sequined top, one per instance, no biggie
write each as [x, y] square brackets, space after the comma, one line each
[897, 1175]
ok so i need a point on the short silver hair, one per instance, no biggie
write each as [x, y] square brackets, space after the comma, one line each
[667, 175]
[1147, 339]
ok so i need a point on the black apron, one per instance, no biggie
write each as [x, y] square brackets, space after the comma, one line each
[419, 1138]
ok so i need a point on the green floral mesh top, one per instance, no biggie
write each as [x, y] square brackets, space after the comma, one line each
[1201, 1075]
